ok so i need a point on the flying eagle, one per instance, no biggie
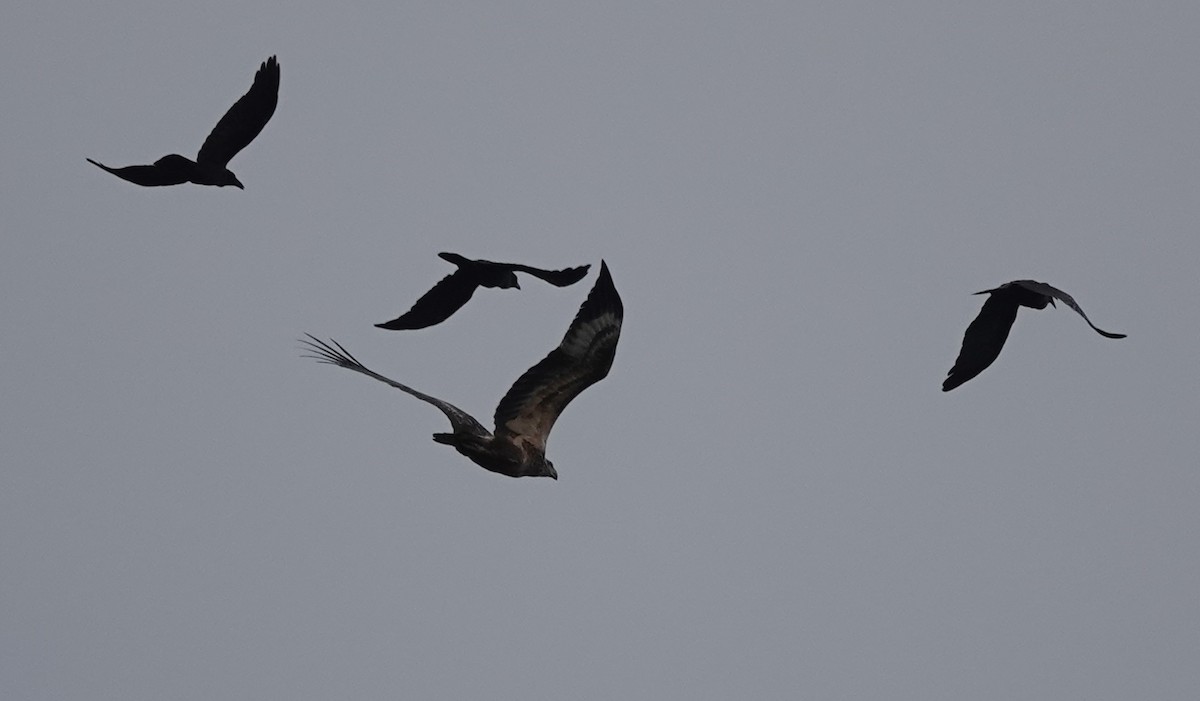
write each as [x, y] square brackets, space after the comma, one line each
[986, 335]
[453, 291]
[233, 133]
[528, 411]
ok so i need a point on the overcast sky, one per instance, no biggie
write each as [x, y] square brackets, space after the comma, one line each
[768, 498]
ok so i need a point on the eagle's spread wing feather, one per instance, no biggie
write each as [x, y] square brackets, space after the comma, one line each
[1052, 291]
[336, 355]
[529, 409]
[245, 119]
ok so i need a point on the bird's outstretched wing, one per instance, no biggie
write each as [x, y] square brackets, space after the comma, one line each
[1052, 291]
[983, 340]
[167, 170]
[558, 278]
[529, 409]
[336, 355]
[245, 119]
[436, 305]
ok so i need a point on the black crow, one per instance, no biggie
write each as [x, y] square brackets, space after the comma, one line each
[236, 129]
[453, 291]
[987, 333]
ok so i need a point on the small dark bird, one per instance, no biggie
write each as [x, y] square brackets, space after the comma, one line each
[233, 133]
[449, 295]
[986, 335]
[528, 411]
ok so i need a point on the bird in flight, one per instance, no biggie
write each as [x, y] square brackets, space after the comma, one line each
[987, 333]
[453, 291]
[528, 411]
[233, 133]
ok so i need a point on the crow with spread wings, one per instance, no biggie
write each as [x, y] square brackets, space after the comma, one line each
[233, 133]
[986, 335]
[455, 290]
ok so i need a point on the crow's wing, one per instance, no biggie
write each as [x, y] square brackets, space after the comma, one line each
[164, 172]
[983, 340]
[438, 304]
[558, 278]
[336, 355]
[245, 119]
[1067, 299]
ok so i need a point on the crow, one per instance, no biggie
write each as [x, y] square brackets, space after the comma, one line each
[233, 133]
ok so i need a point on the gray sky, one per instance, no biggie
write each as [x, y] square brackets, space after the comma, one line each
[769, 497]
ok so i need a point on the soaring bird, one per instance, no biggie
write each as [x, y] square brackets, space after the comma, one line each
[453, 291]
[986, 335]
[233, 133]
[528, 411]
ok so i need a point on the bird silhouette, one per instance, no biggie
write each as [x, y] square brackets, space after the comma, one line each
[986, 334]
[529, 409]
[233, 133]
[454, 290]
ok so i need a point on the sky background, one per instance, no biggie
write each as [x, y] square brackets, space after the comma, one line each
[769, 497]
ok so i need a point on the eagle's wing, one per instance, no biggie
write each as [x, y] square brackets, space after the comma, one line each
[438, 304]
[245, 119]
[336, 355]
[163, 172]
[558, 278]
[983, 340]
[529, 409]
[1067, 299]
